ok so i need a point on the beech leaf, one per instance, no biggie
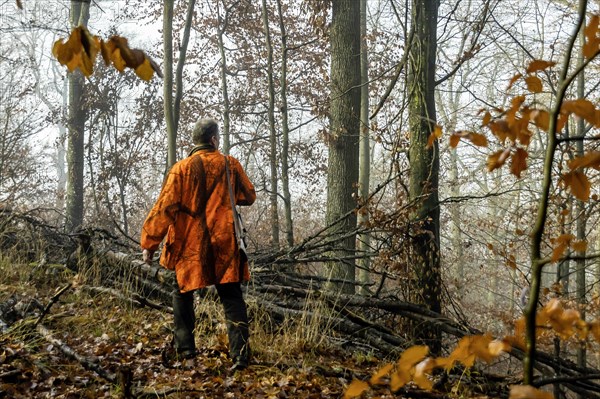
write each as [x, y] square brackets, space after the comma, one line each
[534, 84]
[541, 118]
[513, 80]
[583, 108]
[356, 388]
[528, 392]
[478, 139]
[579, 184]
[518, 162]
[591, 45]
[382, 372]
[539, 65]
[588, 160]
[454, 140]
[497, 159]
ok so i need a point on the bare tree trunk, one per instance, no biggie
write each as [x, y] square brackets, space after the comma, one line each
[61, 155]
[424, 166]
[342, 176]
[223, 21]
[273, 190]
[581, 214]
[168, 83]
[285, 134]
[80, 14]
[364, 239]
[181, 62]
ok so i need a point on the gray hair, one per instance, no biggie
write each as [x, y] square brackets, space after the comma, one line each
[204, 130]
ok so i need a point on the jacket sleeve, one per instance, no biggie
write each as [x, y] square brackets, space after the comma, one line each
[244, 189]
[164, 212]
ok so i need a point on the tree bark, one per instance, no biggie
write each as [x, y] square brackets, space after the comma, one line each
[364, 239]
[343, 139]
[424, 166]
[273, 189]
[285, 134]
[224, 88]
[580, 207]
[168, 83]
[76, 131]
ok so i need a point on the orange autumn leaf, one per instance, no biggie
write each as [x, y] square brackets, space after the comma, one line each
[478, 139]
[497, 159]
[145, 70]
[534, 84]
[382, 372]
[541, 119]
[578, 183]
[435, 135]
[562, 243]
[595, 329]
[487, 117]
[81, 48]
[412, 356]
[588, 160]
[528, 392]
[562, 121]
[422, 370]
[579, 245]
[498, 347]
[501, 129]
[518, 162]
[539, 65]
[79, 51]
[513, 80]
[356, 388]
[591, 45]
[454, 140]
[463, 353]
[583, 108]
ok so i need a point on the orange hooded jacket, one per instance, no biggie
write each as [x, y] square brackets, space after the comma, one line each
[194, 212]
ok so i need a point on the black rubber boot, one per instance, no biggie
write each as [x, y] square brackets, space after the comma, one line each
[185, 320]
[237, 323]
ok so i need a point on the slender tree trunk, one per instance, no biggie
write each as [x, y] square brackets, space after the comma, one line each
[224, 88]
[581, 214]
[273, 194]
[424, 166]
[180, 63]
[364, 239]
[76, 127]
[168, 83]
[61, 155]
[342, 176]
[285, 134]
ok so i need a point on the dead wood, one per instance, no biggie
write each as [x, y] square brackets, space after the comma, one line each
[355, 321]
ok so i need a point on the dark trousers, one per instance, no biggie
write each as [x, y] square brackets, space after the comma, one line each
[236, 315]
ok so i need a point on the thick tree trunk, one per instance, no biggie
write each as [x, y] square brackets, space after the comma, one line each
[424, 166]
[76, 130]
[273, 190]
[343, 139]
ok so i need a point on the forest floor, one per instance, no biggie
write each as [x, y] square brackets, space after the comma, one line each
[289, 361]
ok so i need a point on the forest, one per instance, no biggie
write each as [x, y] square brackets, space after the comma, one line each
[426, 171]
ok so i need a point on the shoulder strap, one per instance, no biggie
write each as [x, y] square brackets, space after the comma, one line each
[236, 220]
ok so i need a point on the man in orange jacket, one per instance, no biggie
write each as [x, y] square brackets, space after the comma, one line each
[194, 212]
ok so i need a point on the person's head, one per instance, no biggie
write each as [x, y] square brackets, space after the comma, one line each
[206, 131]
